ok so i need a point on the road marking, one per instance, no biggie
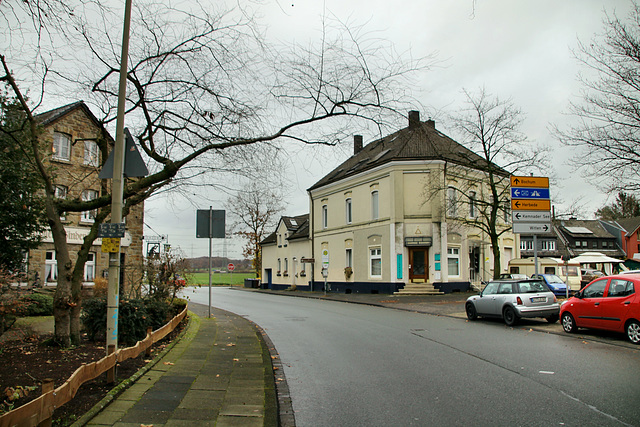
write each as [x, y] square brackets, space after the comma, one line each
[546, 372]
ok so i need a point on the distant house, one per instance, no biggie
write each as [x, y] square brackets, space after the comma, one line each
[71, 132]
[627, 232]
[387, 219]
[580, 236]
[284, 252]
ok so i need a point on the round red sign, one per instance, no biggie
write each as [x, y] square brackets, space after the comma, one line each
[230, 267]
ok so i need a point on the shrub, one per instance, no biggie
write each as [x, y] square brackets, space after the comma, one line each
[36, 304]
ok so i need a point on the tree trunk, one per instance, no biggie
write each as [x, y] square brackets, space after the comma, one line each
[495, 248]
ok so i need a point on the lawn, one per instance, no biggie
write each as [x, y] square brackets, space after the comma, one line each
[236, 279]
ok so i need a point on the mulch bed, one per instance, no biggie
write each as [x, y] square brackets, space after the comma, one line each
[26, 363]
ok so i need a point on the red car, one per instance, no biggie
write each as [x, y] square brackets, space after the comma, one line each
[611, 303]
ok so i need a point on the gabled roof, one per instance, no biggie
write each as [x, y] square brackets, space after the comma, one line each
[298, 226]
[51, 116]
[579, 228]
[630, 225]
[418, 141]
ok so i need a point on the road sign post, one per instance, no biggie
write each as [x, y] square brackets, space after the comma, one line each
[531, 208]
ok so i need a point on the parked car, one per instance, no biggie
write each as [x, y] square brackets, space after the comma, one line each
[514, 299]
[556, 284]
[611, 303]
[589, 275]
[630, 272]
[512, 276]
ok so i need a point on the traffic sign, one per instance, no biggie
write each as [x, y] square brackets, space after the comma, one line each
[529, 193]
[530, 181]
[527, 227]
[530, 205]
[111, 244]
[531, 216]
[231, 267]
[111, 229]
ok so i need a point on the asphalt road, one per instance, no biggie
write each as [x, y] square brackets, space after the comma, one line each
[355, 365]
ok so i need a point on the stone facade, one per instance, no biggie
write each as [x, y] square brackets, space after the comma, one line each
[75, 169]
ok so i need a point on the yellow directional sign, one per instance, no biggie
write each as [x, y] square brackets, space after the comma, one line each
[530, 205]
[111, 244]
[530, 181]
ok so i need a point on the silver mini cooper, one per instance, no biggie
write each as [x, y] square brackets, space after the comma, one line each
[514, 299]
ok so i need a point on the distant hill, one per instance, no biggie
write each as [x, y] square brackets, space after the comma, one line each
[219, 263]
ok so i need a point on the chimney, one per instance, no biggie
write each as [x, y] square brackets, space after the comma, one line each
[431, 123]
[357, 144]
[414, 118]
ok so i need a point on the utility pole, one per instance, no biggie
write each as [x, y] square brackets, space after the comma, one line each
[117, 193]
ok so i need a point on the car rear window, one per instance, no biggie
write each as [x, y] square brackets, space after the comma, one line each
[532, 287]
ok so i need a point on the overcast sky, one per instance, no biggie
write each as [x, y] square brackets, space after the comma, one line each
[516, 49]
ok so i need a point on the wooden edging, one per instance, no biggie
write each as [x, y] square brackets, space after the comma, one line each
[40, 410]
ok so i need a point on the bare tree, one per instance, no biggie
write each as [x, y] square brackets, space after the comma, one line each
[203, 88]
[608, 116]
[255, 210]
[490, 127]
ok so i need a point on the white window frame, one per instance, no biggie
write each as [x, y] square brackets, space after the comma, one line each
[348, 211]
[348, 257]
[61, 192]
[91, 153]
[548, 245]
[89, 216]
[50, 267]
[61, 146]
[526, 245]
[90, 268]
[452, 201]
[279, 267]
[453, 254]
[325, 215]
[375, 204]
[375, 258]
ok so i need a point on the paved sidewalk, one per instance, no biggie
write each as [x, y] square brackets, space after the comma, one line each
[219, 374]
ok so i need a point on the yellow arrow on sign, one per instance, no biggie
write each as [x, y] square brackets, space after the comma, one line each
[530, 205]
[530, 181]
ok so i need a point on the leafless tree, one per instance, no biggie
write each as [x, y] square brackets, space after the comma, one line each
[204, 89]
[607, 117]
[490, 127]
[255, 211]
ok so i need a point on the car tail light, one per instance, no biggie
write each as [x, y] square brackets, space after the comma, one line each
[519, 301]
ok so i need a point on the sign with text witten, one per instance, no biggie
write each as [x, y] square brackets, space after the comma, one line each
[530, 204]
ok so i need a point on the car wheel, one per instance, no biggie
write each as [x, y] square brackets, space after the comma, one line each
[509, 316]
[568, 323]
[552, 319]
[633, 332]
[472, 314]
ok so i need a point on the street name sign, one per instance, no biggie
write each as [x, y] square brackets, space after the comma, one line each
[530, 205]
[530, 181]
[531, 228]
[531, 216]
[529, 193]
[111, 229]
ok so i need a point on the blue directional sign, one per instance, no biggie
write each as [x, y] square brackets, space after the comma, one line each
[529, 193]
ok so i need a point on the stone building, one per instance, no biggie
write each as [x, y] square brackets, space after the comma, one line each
[72, 132]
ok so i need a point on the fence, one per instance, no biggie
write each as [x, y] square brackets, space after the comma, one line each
[39, 411]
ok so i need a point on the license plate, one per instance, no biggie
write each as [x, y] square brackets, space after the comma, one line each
[539, 299]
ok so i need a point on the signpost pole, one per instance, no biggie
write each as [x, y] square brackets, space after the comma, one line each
[210, 234]
[535, 252]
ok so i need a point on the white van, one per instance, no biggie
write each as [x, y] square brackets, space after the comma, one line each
[548, 266]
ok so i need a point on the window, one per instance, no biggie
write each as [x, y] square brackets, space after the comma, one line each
[595, 290]
[375, 262]
[620, 288]
[453, 261]
[505, 288]
[91, 153]
[548, 245]
[279, 266]
[584, 243]
[347, 208]
[451, 202]
[61, 146]
[325, 221]
[50, 267]
[60, 192]
[526, 245]
[286, 266]
[90, 268]
[87, 195]
[472, 205]
[348, 262]
[491, 288]
[594, 245]
[374, 205]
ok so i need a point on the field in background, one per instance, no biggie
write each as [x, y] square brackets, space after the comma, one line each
[234, 279]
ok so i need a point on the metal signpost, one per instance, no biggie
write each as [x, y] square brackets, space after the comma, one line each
[230, 268]
[209, 224]
[531, 208]
[325, 267]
